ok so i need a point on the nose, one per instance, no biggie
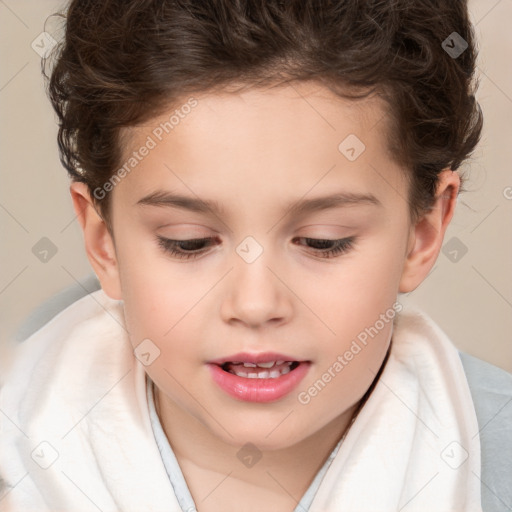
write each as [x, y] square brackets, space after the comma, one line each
[256, 294]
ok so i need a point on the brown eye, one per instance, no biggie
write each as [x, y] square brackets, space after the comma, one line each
[184, 248]
[329, 248]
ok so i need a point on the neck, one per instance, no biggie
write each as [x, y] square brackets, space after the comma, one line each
[205, 459]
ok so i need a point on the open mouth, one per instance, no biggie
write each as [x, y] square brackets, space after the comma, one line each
[268, 370]
[269, 379]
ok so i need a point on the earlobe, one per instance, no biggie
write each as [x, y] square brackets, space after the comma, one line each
[426, 237]
[99, 244]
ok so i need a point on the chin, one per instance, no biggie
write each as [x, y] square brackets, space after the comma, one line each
[265, 438]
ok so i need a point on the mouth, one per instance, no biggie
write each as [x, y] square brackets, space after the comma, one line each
[268, 370]
[258, 377]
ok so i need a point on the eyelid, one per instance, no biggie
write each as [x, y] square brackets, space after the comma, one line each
[189, 228]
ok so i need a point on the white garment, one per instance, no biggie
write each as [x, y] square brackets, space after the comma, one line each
[76, 434]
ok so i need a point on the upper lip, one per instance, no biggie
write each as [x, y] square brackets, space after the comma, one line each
[246, 357]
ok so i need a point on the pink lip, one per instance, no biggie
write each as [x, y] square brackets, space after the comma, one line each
[246, 357]
[258, 390]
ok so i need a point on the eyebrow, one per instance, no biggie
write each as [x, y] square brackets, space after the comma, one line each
[303, 206]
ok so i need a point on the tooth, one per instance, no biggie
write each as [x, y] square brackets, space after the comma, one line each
[279, 362]
[250, 365]
[266, 365]
[265, 374]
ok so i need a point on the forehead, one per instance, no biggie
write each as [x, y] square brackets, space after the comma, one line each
[303, 111]
[288, 139]
[307, 111]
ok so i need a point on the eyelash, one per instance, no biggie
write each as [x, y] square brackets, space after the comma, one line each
[341, 246]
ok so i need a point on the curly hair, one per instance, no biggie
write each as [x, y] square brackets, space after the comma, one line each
[121, 62]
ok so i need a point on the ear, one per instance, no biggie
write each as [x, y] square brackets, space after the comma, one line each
[99, 244]
[426, 237]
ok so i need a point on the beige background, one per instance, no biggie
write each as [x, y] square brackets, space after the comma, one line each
[471, 299]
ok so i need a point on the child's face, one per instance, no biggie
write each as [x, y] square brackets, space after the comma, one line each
[255, 154]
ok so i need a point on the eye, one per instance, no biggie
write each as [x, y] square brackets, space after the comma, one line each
[329, 248]
[185, 249]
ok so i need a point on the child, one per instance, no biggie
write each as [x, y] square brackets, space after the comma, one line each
[258, 183]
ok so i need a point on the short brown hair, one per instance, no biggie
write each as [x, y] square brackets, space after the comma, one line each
[122, 62]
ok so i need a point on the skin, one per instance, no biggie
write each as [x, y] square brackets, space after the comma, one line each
[253, 152]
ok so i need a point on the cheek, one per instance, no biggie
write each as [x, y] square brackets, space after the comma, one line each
[356, 301]
[344, 379]
[377, 276]
[361, 314]
[156, 295]
[351, 294]
[158, 312]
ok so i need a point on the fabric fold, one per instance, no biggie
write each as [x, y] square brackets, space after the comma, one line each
[413, 446]
[76, 430]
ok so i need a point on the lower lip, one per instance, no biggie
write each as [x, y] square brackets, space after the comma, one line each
[258, 390]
